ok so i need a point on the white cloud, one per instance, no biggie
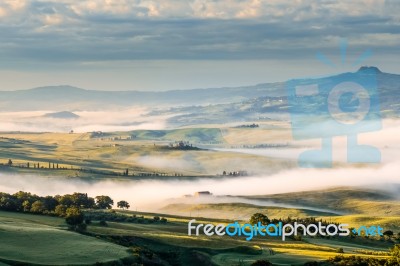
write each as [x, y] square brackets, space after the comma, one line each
[72, 31]
[225, 9]
[16, 4]
[10, 7]
[3, 12]
[52, 19]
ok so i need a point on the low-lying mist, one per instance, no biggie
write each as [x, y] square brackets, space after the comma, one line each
[150, 195]
[387, 140]
[110, 120]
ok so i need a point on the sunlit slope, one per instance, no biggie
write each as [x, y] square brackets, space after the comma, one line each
[274, 132]
[345, 199]
[169, 241]
[355, 206]
[194, 135]
[142, 151]
[239, 211]
[41, 240]
[173, 238]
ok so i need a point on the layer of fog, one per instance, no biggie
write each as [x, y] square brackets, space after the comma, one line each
[110, 120]
[387, 140]
[150, 195]
[189, 199]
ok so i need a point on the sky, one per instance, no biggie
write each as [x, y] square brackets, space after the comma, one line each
[182, 44]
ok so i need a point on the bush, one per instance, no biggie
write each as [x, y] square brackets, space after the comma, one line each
[395, 253]
[312, 263]
[358, 261]
[261, 263]
[74, 217]
[103, 223]
[297, 238]
[81, 227]
[259, 217]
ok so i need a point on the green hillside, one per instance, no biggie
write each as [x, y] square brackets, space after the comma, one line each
[34, 239]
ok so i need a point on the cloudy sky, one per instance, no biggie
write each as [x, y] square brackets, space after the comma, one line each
[183, 44]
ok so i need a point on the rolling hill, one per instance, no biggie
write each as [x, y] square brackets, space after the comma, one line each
[62, 115]
[193, 105]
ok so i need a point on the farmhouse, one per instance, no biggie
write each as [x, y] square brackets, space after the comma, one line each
[202, 193]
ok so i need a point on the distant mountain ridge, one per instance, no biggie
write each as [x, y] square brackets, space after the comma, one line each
[72, 98]
[62, 115]
[75, 99]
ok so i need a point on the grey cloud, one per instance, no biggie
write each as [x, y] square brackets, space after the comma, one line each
[98, 35]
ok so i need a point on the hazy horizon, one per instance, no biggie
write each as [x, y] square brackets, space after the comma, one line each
[150, 45]
[249, 83]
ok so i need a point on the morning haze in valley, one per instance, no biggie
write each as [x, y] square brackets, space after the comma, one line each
[122, 121]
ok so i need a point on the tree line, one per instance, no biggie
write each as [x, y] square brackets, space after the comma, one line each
[63, 166]
[69, 205]
[55, 205]
[78, 209]
[264, 220]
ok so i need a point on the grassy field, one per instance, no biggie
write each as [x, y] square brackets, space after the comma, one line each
[348, 200]
[139, 151]
[355, 206]
[31, 238]
[44, 240]
[225, 250]
[240, 211]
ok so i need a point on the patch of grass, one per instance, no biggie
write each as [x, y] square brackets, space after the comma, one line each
[35, 239]
[240, 211]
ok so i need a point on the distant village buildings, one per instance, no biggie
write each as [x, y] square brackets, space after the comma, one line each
[235, 173]
[202, 193]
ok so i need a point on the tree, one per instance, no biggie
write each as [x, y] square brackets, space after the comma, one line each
[123, 204]
[104, 202]
[66, 200]
[37, 207]
[82, 200]
[259, 217]
[26, 206]
[261, 263]
[50, 203]
[10, 162]
[395, 253]
[8, 202]
[388, 233]
[74, 217]
[60, 210]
